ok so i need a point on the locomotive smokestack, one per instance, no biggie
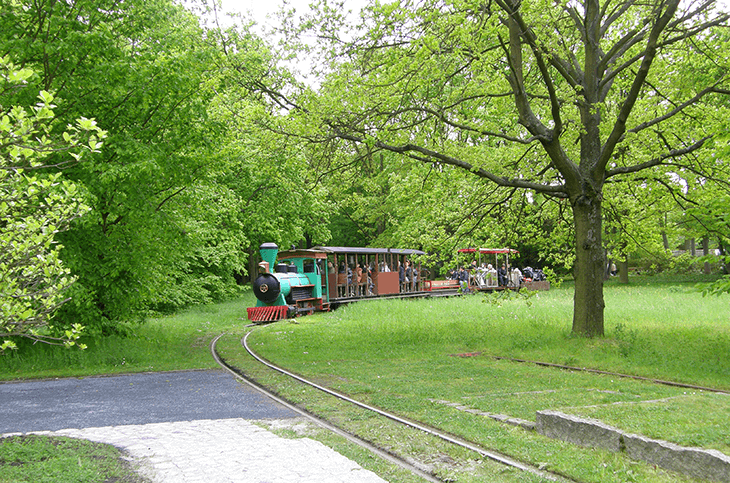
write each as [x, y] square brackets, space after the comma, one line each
[268, 252]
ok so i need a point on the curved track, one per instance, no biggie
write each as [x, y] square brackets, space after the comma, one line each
[492, 455]
[321, 422]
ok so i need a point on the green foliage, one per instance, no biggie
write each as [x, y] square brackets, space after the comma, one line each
[722, 286]
[500, 297]
[165, 227]
[35, 207]
[279, 195]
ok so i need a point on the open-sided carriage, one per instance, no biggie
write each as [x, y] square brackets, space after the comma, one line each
[502, 275]
[487, 277]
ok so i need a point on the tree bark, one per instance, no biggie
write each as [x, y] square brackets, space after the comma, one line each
[706, 252]
[589, 265]
[623, 271]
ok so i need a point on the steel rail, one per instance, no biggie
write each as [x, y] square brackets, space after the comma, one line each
[608, 373]
[492, 455]
[322, 423]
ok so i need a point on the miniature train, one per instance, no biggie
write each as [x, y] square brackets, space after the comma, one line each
[300, 282]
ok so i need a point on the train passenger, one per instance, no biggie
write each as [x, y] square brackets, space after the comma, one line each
[371, 285]
[358, 278]
[463, 278]
[516, 277]
[491, 276]
[342, 280]
[502, 276]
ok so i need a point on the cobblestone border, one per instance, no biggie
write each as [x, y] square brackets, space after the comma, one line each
[696, 462]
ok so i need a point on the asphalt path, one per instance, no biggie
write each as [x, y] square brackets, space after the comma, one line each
[51, 405]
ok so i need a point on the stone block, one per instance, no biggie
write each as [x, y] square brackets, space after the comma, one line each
[580, 431]
[696, 462]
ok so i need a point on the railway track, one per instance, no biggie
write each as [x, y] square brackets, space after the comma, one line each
[381, 453]
[494, 456]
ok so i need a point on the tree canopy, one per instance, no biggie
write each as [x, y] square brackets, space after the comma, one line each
[561, 99]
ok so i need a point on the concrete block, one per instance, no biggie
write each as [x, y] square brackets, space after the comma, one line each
[580, 431]
[696, 462]
[522, 423]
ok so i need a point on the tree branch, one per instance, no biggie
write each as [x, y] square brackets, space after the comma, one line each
[659, 160]
[427, 155]
[619, 127]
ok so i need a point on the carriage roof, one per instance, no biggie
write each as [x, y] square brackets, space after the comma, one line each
[312, 252]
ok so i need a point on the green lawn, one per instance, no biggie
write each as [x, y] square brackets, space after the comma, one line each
[432, 360]
[179, 341]
[42, 459]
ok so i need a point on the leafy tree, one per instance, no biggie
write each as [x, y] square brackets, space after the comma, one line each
[557, 98]
[708, 216]
[279, 197]
[34, 207]
[152, 237]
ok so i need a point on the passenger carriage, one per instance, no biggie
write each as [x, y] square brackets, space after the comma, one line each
[486, 279]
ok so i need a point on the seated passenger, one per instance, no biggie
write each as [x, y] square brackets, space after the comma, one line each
[463, 280]
[491, 276]
[516, 277]
[502, 276]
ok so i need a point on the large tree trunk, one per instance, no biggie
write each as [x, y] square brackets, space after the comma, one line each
[623, 271]
[589, 266]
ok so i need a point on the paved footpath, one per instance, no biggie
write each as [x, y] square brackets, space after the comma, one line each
[168, 447]
[225, 450]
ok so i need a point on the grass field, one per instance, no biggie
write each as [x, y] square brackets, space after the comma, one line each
[423, 358]
[670, 332]
[180, 341]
